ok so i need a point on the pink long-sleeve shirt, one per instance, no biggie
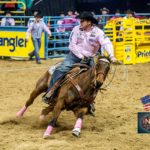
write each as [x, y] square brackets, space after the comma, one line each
[87, 43]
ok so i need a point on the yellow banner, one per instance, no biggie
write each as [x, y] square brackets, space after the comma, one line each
[12, 43]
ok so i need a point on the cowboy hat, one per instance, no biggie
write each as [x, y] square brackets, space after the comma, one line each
[88, 16]
[38, 15]
[104, 9]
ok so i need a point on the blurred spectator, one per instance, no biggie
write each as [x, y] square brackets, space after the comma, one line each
[61, 30]
[8, 20]
[117, 14]
[129, 14]
[104, 18]
[60, 26]
[104, 11]
[10, 6]
[69, 21]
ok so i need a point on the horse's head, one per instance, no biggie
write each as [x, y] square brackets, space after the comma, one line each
[102, 69]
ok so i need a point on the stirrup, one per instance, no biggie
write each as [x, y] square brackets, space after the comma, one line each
[48, 99]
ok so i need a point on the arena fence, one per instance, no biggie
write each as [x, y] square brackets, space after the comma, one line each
[130, 38]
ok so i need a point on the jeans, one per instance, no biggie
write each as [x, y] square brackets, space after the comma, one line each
[65, 66]
[37, 46]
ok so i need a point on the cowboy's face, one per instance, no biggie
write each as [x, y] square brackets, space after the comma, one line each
[37, 19]
[84, 24]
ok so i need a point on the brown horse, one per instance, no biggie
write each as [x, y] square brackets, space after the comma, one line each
[76, 93]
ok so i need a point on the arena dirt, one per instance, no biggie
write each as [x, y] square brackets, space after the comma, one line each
[113, 128]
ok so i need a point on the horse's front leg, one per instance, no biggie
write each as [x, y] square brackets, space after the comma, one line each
[56, 112]
[41, 86]
[78, 125]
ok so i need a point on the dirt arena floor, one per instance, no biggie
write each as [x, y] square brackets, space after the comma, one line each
[113, 128]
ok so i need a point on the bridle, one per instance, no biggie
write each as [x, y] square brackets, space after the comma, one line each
[104, 60]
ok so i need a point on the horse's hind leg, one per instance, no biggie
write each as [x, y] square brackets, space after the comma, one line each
[41, 86]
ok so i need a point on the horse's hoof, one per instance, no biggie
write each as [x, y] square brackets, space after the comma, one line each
[76, 132]
[46, 136]
[21, 111]
[19, 114]
[48, 132]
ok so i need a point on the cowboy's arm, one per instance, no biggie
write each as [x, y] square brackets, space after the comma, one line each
[46, 29]
[73, 46]
[106, 45]
[29, 30]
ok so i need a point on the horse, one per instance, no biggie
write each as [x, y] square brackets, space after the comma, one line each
[77, 91]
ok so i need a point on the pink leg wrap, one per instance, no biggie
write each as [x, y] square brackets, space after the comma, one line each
[48, 131]
[21, 111]
[78, 123]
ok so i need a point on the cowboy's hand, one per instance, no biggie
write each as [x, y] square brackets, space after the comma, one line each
[115, 61]
[84, 60]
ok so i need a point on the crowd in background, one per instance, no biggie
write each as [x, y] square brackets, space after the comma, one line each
[63, 24]
[14, 6]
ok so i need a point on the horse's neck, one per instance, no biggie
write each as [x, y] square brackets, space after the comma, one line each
[87, 78]
[87, 81]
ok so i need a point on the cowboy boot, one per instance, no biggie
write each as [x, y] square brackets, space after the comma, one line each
[48, 97]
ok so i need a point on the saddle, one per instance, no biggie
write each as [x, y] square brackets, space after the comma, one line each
[75, 71]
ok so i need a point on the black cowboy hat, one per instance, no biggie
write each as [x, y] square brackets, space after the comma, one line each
[36, 10]
[38, 15]
[88, 16]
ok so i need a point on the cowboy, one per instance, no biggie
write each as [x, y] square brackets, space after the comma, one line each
[36, 30]
[85, 40]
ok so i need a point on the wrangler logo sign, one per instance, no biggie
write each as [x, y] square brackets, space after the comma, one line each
[13, 43]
